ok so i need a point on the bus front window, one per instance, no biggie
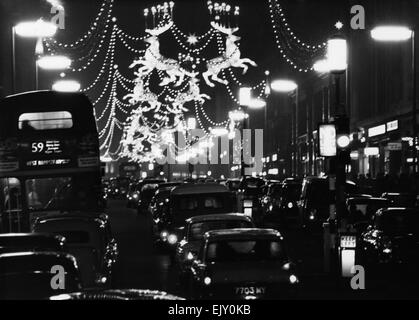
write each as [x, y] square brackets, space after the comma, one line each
[10, 205]
[40, 193]
[61, 194]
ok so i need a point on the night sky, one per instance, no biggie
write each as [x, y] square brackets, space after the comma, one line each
[311, 20]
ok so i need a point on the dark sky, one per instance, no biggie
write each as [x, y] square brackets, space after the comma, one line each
[311, 20]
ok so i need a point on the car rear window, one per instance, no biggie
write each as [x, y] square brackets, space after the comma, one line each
[76, 236]
[245, 250]
[197, 230]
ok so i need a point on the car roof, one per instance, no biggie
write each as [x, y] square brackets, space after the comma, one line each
[241, 233]
[219, 217]
[74, 220]
[35, 261]
[16, 239]
[366, 200]
[77, 215]
[395, 194]
[390, 211]
[199, 188]
[120, 294]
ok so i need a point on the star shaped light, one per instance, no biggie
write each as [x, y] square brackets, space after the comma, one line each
[339, 25]
[193, 39]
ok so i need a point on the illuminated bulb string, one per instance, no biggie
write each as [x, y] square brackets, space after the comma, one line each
[107, 6]
[281, 48]
[283, 24]
[110, 55]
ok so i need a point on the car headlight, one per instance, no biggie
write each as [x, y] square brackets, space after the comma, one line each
[207, 281]
[164, 235]
[293, 279]
[290, 205]
[135, 196]
[286, 266]
[313, 214]
[387, 251]
[172, 239]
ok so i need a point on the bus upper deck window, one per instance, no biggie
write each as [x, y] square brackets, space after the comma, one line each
[45, 121]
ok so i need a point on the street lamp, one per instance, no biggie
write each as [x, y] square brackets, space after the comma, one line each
[30, 29]
[66, 86]
[392, 33]
[219, 131]
[54, 62]
[237, 115]
[337, 54]
[284, 86]
[36, 29]
[322, 66]
[257, 104]
[289, 86]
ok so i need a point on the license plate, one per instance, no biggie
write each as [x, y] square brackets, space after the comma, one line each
[348, 242]
[250, 290]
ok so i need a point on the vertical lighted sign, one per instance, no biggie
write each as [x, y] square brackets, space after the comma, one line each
[327, 140]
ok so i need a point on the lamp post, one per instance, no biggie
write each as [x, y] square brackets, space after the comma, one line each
[247, 102]
[289, 86]
[337, 61]
[66, 86]
[400, 34]
[245, 97]
[31, 29]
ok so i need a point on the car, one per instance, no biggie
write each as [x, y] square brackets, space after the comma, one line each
[190, 200]
[31, 242]
[90, 240]
[281, 203]
[147, 193]
[233, 184]
[316, 198]
[134, 193]
[243, 264]
[120, 294]
[195, 229]
[360, 211]
[390, 245]
[158, 211]
[28, 275]
[404, 200]
[118, 187]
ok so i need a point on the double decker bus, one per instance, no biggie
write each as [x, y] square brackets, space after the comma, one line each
[49, 157]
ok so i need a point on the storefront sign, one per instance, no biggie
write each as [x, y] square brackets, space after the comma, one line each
[376, 131]
[393, 125]
[327, 140]
[371, 152]
[394, 146]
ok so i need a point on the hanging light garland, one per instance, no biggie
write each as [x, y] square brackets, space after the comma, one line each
[288, 43]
